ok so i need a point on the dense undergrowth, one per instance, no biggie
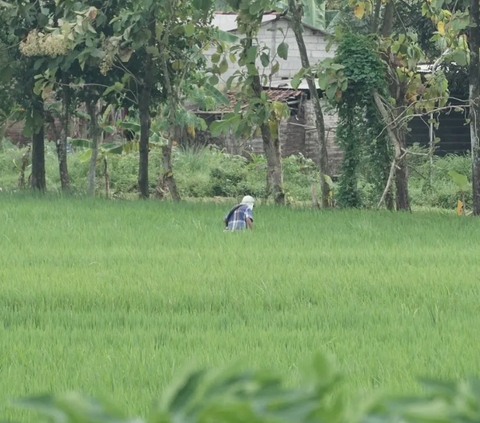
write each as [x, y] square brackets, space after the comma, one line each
[210, 172]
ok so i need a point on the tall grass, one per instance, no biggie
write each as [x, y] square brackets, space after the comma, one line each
[206, 172]
[113, 298]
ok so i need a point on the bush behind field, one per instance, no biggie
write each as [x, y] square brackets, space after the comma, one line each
[210, 172]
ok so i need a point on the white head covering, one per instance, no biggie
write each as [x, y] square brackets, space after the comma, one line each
[248, 201]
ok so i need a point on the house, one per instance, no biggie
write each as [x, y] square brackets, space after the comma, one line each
[297, 134]
[274, 30]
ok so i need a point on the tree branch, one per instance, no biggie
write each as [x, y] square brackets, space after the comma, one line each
[404, 117]
[390, 179]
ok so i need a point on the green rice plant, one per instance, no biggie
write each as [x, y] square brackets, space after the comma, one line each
[192, 159]
[112, 298]
[232, 395]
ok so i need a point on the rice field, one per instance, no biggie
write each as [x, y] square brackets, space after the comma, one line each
[115, 298]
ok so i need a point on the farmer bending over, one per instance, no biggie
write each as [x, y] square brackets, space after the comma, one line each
[241, 216]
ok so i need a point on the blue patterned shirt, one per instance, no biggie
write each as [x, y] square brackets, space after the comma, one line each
[238, 220]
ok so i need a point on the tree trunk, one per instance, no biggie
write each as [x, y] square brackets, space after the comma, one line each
[297, 13]
[401, 176]
[376, 16]
[272, 148]
[94, 135]
[274, 165]
[144, 142]
[271, 144]
[62, 142]
[389, 201]
[174, 130]
[23, 167]
[168, 178]
[398, 131]
[400, 168]
[38, 150]
[166, 181]
[144, 108]
[402, 200]
[167, 161]
[107, 178]
[387, 26]
[474, 82]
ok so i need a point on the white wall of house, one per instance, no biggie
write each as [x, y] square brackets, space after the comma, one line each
[271, 35]
[315, 43]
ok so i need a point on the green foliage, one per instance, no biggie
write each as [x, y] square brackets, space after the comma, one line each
[231, 394]
[460, 180]
[348, 137]
[314, 13]
[360, 126]
[444, 192]
[203, 172]
[228, 178]
[363, 68]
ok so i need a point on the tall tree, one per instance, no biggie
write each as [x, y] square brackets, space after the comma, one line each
[20, 17]
[458, 32]
[171, 36]
[297, 11]
[260, 113]
[474, 78]
[408, 91]
[38, 143]
[79, 67]
[398, 91]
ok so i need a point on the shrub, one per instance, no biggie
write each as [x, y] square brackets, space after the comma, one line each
[207, 172]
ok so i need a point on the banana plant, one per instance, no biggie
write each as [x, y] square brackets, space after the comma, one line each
[105, 151]
[314, 13]
[156, 138]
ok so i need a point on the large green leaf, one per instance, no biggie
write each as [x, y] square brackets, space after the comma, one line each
[314, 13]
[131, 126]
[252, 53]
[334, 17]
[6, 5]
[216, 94]
[225, 36]
[223, 66]
[282, 50]
[460, 57]
[219, 127]
[189, 29]
[459, 179]
[295, 83]
[116, 149]
[6, 74]
[81, 142]
[265, 59]
[109, 129]
[85, 156]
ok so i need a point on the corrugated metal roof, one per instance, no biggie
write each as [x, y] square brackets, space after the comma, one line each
[227, 21]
